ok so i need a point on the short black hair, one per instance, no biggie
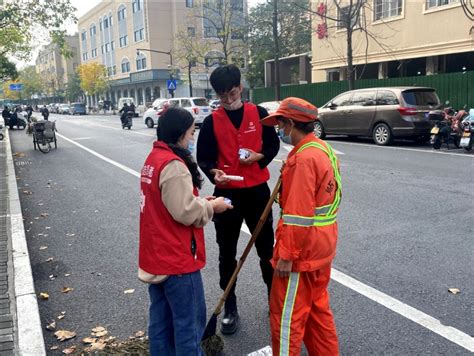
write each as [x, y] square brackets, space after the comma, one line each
[225, 78]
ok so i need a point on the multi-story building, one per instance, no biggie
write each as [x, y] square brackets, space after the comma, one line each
[126, 37]
[56, 69]
[393, 38]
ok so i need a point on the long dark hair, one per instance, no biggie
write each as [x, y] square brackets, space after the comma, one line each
[172, 125]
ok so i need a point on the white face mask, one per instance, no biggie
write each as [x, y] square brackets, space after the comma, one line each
[233, 106]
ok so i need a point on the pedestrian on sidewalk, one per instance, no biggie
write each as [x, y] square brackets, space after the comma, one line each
[232, 141]
[172, 251]
[306, 236]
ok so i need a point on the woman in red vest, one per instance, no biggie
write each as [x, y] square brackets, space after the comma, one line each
[171, 251]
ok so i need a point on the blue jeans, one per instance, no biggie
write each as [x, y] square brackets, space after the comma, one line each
[177, 316]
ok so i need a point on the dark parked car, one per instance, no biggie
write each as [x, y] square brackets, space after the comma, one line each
[383, 113]
[77, 109]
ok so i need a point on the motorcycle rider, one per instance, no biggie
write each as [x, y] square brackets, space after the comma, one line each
[6, 115]
[45, 112]
[124, 110]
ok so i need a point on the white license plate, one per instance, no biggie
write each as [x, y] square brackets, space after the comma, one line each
[465, 141]
[205, 110]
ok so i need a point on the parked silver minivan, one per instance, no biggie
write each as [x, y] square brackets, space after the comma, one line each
[383, 113]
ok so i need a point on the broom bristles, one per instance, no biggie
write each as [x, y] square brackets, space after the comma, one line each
[211, 343]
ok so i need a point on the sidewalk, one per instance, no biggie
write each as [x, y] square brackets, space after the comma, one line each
[20, 326]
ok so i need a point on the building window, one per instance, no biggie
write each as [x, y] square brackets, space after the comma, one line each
[107, 47]
[110, 21]
[344, 17]
[139, 35]
[191, 32]
[125, 66]
[189, 3]
[101, 25]
[112, 45]
[93, 30]
[123, 41]
[106, 22]
[102, 49]
[85, 57]
[435, 3]
[94, 53]
[141, 61]
[387, 8]
[83, 35]
[121, 14]
[136, 5]
[208, 32]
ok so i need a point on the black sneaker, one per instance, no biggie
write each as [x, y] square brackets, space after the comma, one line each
[230, 322]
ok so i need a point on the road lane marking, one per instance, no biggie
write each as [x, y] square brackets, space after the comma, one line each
[111, 128]
[454, 335]
[82, 138]
[415, 315]
[403, 149]
[289, 148]
[98, 155]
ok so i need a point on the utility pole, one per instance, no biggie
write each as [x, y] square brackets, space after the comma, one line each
[170, 65]
[277, 50]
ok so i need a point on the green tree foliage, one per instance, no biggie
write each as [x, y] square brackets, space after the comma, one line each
[73, 88]
[93, 77]
[294, 30]
[21, 21]
[32, 83]
[7, 69]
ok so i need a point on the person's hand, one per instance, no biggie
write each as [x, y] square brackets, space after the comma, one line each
[253, 157]
[211, 197]
[219, 205]
[219, 176]
[283, 268]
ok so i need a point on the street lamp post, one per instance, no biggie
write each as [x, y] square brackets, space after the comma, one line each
[171, 62]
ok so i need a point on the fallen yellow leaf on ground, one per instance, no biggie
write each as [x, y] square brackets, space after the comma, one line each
[44, 296]
[50, 259]
[54, 347]
[63, 335]
[454, 290]
[67, 290]
[43, 247]
[89, 340]
[129, 291]
[139, 334]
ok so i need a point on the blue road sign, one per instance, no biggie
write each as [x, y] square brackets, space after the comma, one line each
[16, 86]
[171, 84]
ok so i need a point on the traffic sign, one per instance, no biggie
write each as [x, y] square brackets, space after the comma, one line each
[16, 86]
[171, 84]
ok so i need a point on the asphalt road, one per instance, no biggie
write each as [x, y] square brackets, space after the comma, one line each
[405, 230]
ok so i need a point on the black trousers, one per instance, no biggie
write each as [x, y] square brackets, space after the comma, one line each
[249, 204]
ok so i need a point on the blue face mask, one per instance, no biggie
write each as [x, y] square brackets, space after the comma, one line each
[191, 146]
[283, 138]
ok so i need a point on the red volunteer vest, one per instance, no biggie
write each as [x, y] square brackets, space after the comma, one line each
[165, 245]
[230, 140]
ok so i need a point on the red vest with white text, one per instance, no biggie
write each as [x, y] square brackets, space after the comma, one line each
[166, 246]
[230, 140]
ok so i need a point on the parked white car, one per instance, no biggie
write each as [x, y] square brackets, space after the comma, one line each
[63, 109]
[151, 116]
[198, 107]
[270, 106]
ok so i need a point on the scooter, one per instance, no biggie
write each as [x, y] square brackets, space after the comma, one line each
[467, 138]
[446, 127]
[17, 119]
[127, 122]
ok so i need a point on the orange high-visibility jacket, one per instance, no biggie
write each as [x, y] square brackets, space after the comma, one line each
[309, 198]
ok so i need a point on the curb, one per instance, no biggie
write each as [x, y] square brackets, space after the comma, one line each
[29, 330]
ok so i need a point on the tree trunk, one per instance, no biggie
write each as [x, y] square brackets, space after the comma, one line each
[190, 80]
[350, 65]
[277, 50]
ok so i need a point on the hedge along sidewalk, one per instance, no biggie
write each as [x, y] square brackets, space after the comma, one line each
[29, 335]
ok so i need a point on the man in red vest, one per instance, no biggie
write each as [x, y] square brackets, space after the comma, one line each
[233, 142]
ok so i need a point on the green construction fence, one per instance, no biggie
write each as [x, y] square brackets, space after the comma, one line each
[458, 88]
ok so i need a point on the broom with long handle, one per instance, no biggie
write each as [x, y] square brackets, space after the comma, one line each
[211, 343]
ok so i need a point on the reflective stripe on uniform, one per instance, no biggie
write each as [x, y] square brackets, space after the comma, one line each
[323, 215]
[285, 327]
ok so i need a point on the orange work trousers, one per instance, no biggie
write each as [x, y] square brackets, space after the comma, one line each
[300, 312]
